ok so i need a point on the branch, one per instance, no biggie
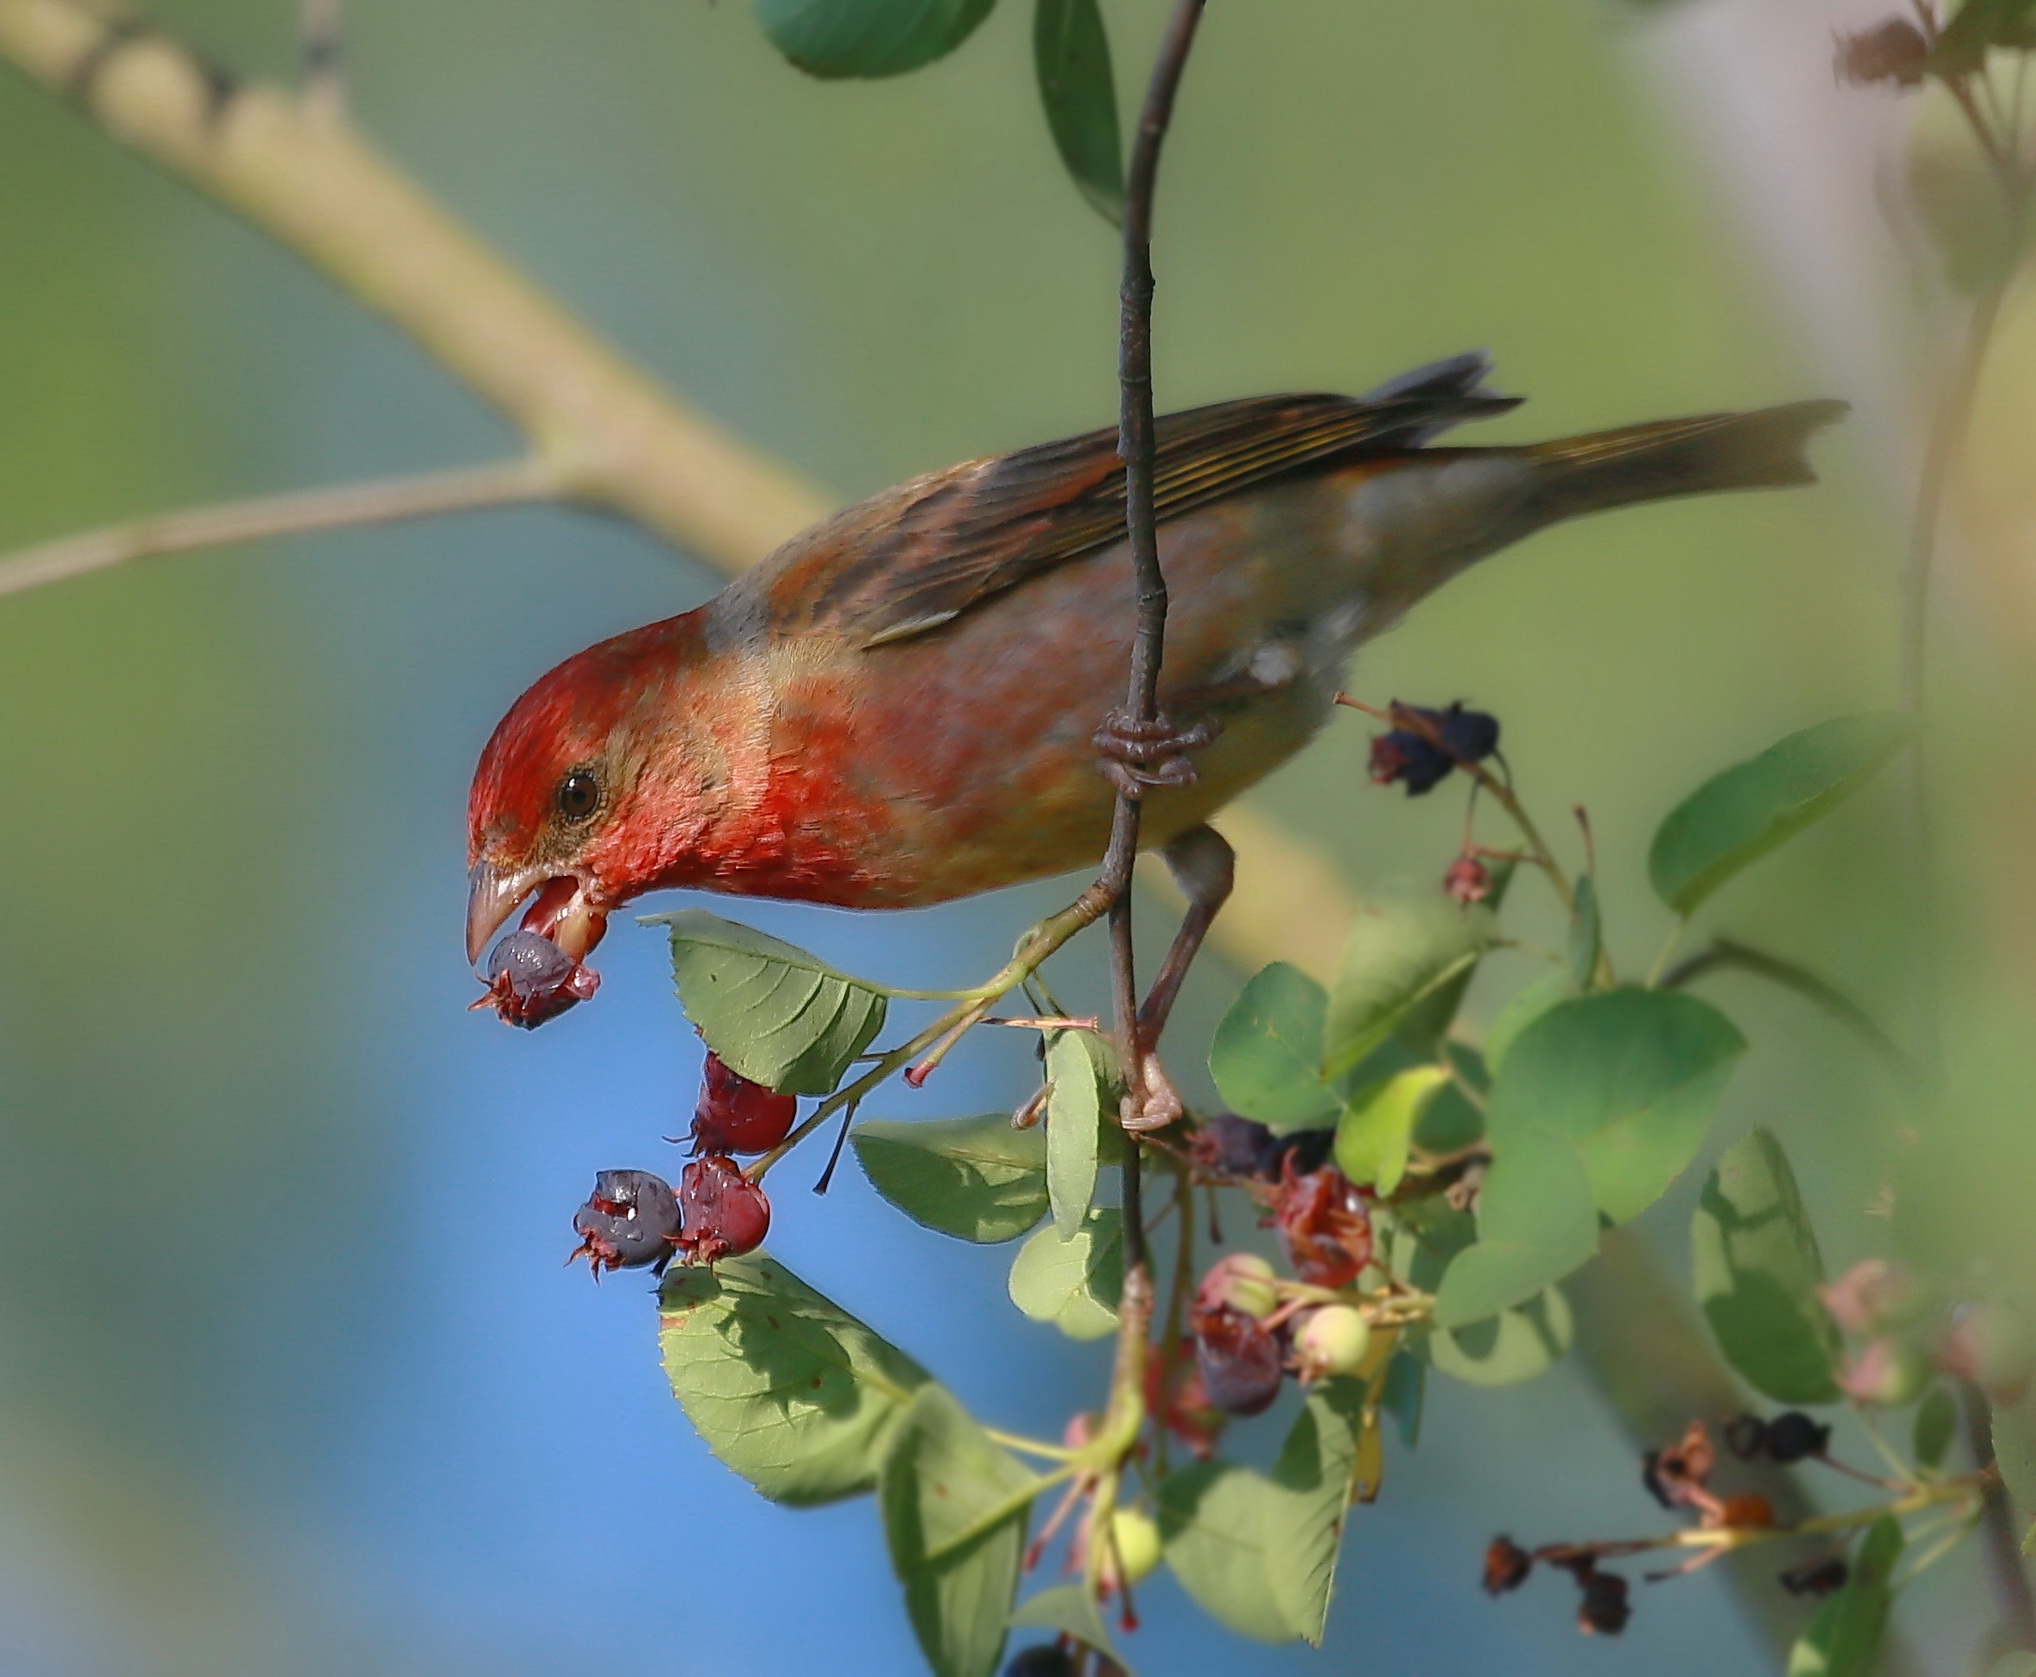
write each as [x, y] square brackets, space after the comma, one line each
[506, 483]
[1136, 446]
[610, 435]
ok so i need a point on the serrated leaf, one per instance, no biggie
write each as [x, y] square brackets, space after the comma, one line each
[783, 1385]
[1259, 1552]
[977, 1179]
[1629, 1077]
[1073, 1283]
[1399, 957]
[1936, 1425]
[1080, 1082]
[1267, 1054]
[1845, 1637]
[954, 1508]
[1537, 1221]
[772, 1012]
[1756, 1271]
[1071, 54]
[1071, 1608]
[1373, 1135]
[834, 38]
[1737, 817]
[1506, 1349]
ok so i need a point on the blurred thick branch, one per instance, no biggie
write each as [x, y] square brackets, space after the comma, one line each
[607, 434]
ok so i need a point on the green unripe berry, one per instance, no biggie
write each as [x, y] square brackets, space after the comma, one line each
[1242, 1281]
[1333, 1340]
[1137, 1540]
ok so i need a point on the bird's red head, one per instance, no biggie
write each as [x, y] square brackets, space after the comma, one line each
[580, 801]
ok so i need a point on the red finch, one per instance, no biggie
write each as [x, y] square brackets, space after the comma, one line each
[901, 705]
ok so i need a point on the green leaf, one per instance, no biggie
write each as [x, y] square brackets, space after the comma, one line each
[1071, 52]
[1522, 1008]
[1537, 1221]
[1072, 1283]
[1267, 1054]
[772, 1012]
[974, 1178]
[1080, 1078]
[1399, 956]
[1630, 1077]
[2015, 1450]
[954, 1508]
[1420, 1239]
[1505, 1349]
[1071, 1608]
[1936, 1424]
[1737, 817]
[1451, 1121]
[1756, 1269]
[784, 1385]
[834, 38]
[1377, 1126]
[2016, 1662]
[1403, 1396]
[1978, 26]
[1846, 1634]
[1259, 1552]
[1586, 935]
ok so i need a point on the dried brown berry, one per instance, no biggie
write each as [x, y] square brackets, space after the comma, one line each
[1749, 1509]
[1604, 1609]
[1506, 1566]
[1323, 1225]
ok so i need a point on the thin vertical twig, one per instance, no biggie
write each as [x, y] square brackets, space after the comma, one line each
[1136, 445]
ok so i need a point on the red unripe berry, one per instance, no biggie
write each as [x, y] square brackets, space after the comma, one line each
[725, 1214]
[738, 1116]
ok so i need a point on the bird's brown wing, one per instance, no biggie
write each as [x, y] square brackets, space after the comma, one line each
[914, 557]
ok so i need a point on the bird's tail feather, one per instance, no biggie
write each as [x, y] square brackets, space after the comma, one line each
[1766, 449]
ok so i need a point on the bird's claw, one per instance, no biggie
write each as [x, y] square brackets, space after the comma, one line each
[1135, 755]
[1155, 1104]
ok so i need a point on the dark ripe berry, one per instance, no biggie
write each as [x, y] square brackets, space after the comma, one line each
[725, 1213]
[1895, 52]
[1043, 1659]
[1824, 1576]
[1793, 1435]
[1308, 1149]
[1746, 1436]
[631, 1219]
[1410, 760]
[1323, 1225]
[1174, 1393]
[1470, 735]
[1506, 1566]
[1227, 1145]
[1238, 1360]
[1604, 1609]
[738, 1116]
[530, 979]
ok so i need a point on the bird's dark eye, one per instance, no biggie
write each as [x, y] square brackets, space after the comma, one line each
[579, 795]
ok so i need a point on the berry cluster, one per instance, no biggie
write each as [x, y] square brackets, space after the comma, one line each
[1250, 1328]
[635, 1218]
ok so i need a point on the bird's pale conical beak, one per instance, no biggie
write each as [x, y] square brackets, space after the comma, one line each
[492, 896]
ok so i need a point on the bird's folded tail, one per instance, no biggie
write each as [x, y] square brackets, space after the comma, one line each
[1766, 449]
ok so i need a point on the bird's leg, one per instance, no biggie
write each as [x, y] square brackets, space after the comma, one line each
[1135, 755]
[1203, 866]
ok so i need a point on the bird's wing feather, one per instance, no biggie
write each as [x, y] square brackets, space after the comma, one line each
[916, 556]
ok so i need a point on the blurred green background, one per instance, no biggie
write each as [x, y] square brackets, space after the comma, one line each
[290, 1378]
